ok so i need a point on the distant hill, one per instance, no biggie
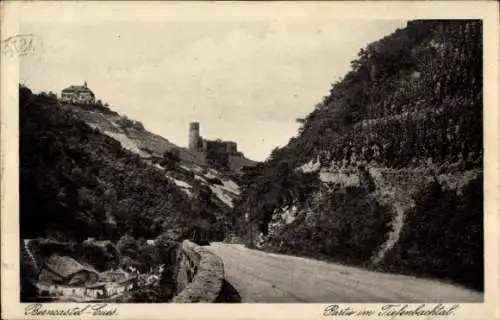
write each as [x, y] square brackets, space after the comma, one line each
[387, 170]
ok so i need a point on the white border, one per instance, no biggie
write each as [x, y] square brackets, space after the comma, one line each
[13, 13]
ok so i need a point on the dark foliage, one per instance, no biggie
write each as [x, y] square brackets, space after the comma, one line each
[347, 227]
[412, 99]
[443, 236]
[264, 191]
[145, 257]
[219, 159]
[100, 257]
[98, 106]
[126, 123]
[170, 159]
[77, 183]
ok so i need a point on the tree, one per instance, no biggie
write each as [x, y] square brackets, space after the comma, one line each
[170, 159]
[217, 158]
[274, 153]
[138, 125]
[127, 246]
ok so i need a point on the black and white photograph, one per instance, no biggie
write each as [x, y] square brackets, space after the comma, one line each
[251, 161]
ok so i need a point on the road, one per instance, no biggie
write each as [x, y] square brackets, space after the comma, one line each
[265, 277]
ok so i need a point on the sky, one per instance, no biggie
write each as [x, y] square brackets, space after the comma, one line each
[245, 81]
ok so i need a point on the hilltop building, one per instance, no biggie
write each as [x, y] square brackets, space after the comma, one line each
[194, 136]
[78, 94]
[222, 154]
[198, 144]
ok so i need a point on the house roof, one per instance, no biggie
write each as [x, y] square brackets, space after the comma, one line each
[66, 266]
[118, 271]
[96, 285]
[77, 89]
[130, 278]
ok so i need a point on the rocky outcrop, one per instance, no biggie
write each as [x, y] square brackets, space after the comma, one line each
[201, 275]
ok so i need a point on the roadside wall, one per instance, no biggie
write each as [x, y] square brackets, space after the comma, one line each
[200, 275]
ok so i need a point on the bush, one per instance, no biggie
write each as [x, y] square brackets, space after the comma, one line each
[446, 231]
[171, 159]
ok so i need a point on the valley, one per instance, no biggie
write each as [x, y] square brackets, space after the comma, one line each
[380, 191]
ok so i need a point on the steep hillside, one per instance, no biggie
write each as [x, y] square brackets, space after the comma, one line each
[189, 173]
[386, 171]
[77, 182]
[133, 136]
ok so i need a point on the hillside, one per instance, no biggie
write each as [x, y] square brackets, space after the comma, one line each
[190, 172]
[88, 178]
[386, 172]
[134, 137]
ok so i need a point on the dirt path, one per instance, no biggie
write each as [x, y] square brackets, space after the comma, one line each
[266, 277]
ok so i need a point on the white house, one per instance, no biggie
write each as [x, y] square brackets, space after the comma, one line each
[78, 94]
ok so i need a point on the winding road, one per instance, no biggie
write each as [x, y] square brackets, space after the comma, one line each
[265, 277]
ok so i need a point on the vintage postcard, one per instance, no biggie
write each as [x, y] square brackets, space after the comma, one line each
[250, 160]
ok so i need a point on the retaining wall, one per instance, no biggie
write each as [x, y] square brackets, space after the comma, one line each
[200, 276]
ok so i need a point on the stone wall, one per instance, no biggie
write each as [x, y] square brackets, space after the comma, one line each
[200, 275]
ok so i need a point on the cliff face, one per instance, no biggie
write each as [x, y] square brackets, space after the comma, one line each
[386, 171]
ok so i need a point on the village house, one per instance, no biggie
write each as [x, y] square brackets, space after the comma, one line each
[64, 270]
[114, 275]
[115, 288]
[88, 292]
[65, 278]
[78, 94]
[96, 290]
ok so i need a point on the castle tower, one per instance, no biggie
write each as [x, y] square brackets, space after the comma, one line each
[194, 136]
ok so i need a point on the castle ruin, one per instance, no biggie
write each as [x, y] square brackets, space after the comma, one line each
[222, 155]
[198, 144]
[194, 136]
